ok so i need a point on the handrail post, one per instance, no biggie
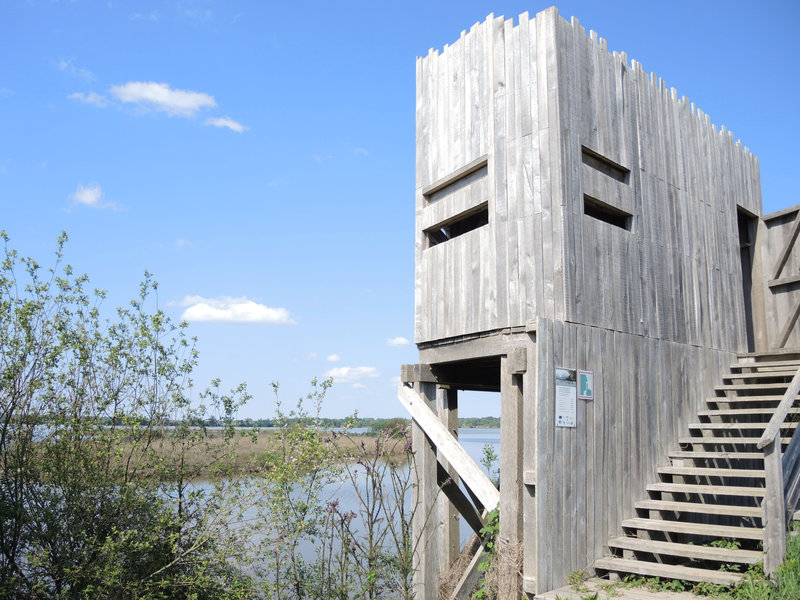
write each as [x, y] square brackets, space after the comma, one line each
[774, 505]
[774, 512]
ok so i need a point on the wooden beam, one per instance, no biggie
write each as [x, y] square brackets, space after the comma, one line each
[772, 431]
[783, 281]
[773, 507]
[448, 447]
[787, 331]
[510, 472]
[460, 173]
[787, 249]
[469, 579]
[449, 534]
[423, 521]
[459, 500]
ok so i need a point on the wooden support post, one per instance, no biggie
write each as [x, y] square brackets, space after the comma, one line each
[449, 534]
[424, 501]
[773, 507]
[511, 487]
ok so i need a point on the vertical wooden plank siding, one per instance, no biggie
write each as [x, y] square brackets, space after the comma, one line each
[651, 302]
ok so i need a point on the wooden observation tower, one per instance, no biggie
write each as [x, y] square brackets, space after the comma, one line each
[589, 245]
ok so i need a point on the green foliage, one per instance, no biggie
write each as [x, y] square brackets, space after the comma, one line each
[479, 422]
[489, 460]
[486, 588]
[753, 586]
[577, 579]
[87, 509]
[102, 439]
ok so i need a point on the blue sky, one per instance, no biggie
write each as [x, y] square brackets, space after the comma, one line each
[258, 158]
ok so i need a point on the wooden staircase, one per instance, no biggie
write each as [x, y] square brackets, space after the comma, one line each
[703, 519]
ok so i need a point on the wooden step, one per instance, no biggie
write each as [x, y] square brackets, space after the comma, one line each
[740, 412]
[706, 490]
[711, 472]
[760, 375]
[736, 426]
[710, 455]
[699, 508]
[715, 531]
[746, 399]
[786, 365]
[747, 557]
[744, 387]
[718, 440]
[650, 569]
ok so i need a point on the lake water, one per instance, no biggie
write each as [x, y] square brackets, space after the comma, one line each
[472, 440]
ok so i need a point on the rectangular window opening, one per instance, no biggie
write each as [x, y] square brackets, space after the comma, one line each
[592, 207]
[604, 165]
[458, 225]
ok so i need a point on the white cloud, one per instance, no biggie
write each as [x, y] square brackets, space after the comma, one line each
[161, 97]
[226, 122]
[91, 195]
[152, 16]
[90, 98]
[361, 151]
[68, 66]
[351, 374]
[233, 310]
[358, 386]
[182, 243]
[397, 341]
[6, 92]
[312, 355]
[333, 358]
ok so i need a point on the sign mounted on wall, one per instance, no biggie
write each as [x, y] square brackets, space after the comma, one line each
[585, 385]
[566, 404]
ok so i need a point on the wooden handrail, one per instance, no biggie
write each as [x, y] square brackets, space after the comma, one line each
[781, 480]
[774, 428]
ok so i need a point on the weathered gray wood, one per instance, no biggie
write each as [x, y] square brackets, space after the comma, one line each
[773, 507]
[449, 486]
[788, 247]
[448, 447]
[424, 499]
[654, 307]
[511, 486]
[449, 534]
[468, 581]
[777, 422]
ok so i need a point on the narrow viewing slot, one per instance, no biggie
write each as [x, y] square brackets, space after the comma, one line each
[605, 166]
[458, 225]
[608, 214]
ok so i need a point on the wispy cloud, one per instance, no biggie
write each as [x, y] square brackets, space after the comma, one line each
[68, 65]
[90, 98]
[333, 358]
[361, 151]
[352, 374]
[397, 341]
[233, 310]
[225, 122]
[152, 16]
[91, 195]
[182, 243]
[6, 92]
[161, 97]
